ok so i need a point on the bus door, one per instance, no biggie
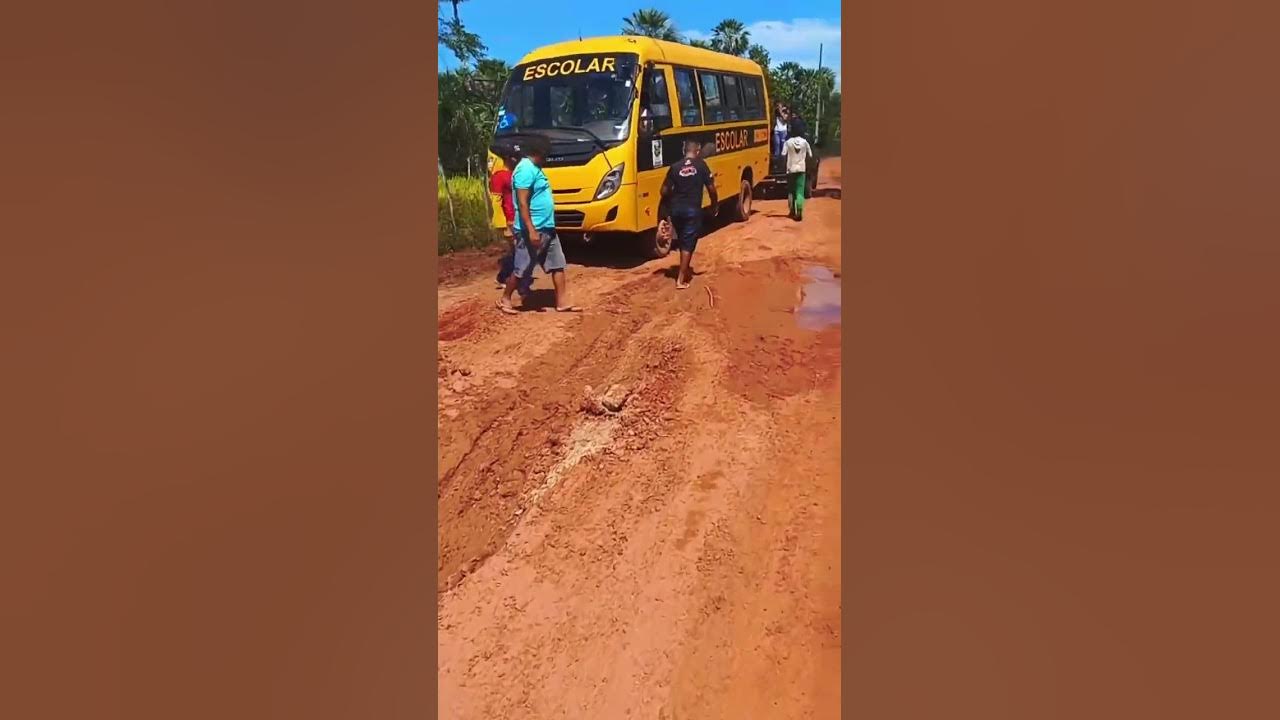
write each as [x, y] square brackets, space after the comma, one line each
[653, 142]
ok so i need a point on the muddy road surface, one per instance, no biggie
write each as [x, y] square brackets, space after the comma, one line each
[640, 504]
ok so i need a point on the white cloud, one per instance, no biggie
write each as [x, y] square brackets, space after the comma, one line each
[794, 40]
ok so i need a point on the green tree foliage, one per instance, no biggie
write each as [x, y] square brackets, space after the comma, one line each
[469, 96]
[468, 110]
[760, 56]
[465, 45]
[802, 88]
[650, 23]
[730, 37]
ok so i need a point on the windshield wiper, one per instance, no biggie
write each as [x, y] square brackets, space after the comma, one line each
[604, 150]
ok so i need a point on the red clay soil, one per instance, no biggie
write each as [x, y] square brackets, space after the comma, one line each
[679, 556]
[463, 266]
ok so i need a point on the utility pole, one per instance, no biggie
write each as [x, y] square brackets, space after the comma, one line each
[818, 119]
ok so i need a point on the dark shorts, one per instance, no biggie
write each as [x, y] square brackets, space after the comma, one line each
[549, 256]
[688, 226]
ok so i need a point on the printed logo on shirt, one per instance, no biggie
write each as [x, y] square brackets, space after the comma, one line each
[688, 170]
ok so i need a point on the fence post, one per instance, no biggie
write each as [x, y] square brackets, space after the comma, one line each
[453, 222]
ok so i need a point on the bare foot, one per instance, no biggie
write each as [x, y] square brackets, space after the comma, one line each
[505, 307]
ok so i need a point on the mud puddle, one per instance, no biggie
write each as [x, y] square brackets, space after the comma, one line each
[819, 299]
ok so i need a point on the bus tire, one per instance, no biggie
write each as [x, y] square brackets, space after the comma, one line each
[742, 206]
[653, 246]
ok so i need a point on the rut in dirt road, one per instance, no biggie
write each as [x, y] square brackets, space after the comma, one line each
[675, 555]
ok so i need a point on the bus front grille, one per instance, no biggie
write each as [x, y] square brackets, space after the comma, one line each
[569, 218]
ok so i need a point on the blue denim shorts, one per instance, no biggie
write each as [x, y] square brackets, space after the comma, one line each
[688, 226]
[550, 256]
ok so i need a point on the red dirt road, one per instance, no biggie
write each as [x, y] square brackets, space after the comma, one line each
[679, 559]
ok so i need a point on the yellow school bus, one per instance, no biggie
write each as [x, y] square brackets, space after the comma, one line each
[617, 111]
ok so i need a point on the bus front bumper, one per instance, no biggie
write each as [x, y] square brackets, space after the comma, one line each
[613, 214]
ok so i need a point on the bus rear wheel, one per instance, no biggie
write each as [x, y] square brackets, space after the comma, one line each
[653, 245]
[742, 207]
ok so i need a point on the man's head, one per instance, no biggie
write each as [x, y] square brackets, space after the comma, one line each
[537, 148]
[692, 149]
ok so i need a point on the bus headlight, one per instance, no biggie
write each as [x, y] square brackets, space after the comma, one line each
[611, 182]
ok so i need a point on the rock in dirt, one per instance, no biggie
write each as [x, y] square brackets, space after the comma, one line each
[615, 399]
[590, 404]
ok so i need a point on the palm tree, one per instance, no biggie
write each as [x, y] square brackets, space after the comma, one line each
[694, 42]
[731, 37]
[455, 8]
[759, 56]
[650, 23]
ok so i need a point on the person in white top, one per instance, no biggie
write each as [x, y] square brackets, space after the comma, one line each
[779, 127]
[797, 152]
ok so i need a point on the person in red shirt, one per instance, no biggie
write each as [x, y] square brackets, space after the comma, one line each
[500, 185]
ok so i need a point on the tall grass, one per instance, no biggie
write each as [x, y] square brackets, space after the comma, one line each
[469, 212]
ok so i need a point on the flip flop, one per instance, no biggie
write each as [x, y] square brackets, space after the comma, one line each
[507, 308]
[570, 309]
[682, 286]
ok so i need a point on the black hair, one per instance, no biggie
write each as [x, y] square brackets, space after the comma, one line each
[536, 145]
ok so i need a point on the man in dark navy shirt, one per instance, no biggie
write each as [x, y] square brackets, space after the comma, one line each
[682, 194]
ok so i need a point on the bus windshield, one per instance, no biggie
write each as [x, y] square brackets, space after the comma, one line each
[591, 93]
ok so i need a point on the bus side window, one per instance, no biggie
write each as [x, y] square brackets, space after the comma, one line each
[655, 100]
[712, 107]
[732, 98]
[751, 96]
[687, 96]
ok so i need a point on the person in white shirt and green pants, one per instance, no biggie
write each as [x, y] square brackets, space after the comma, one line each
[797, 152]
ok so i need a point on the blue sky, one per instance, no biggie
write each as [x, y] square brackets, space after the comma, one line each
[789, 30]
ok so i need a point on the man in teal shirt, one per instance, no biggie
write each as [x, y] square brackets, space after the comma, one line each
[535, 226]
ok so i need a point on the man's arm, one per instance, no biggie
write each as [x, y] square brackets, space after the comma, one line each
[711, 188]
[527, 219]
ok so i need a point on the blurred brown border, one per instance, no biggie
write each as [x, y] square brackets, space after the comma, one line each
[1061, 365]
[218, 302]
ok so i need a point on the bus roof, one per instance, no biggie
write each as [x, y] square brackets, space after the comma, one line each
[648, 49]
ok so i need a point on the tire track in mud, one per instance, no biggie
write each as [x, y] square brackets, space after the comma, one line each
[506, 446]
